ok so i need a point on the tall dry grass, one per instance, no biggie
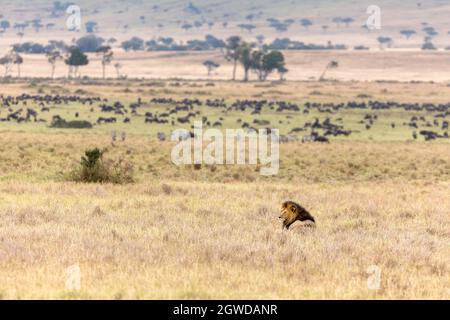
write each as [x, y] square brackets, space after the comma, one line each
[213, 240]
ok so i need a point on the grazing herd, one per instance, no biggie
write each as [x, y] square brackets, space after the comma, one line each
[427, 120]
[29, 106]
[428, 134]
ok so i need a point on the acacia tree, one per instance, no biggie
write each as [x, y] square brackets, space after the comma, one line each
[264, 63]
[75, 59]
[37, 25]
[6, 62]
[384, 40]
[282, 70]
[306, 23]
[245, 58]
[52, 58]
[232, 52]
[260, 38]
[338, 21]
[111, 41]
[407, 33]
[428, 44]
[106, 55]
[91, 26]
[118, 66]
[210, 66]
[16, 59]
[347, 21]
[186, 26]
[4, 24]
[331, 65]
[247, 26]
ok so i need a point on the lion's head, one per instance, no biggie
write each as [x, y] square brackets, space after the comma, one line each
[291, 212]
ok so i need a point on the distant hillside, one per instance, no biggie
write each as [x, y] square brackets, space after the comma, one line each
[310, 21]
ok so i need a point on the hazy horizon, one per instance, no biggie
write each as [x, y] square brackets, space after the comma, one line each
[150, 20]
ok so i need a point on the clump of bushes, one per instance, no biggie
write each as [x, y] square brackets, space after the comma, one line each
[58, 122]
[93, 168]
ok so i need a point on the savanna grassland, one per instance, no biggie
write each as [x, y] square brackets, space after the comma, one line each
[380, 198]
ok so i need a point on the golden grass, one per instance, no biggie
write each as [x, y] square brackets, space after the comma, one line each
[184, 233]
[212, 240]
[42, 157]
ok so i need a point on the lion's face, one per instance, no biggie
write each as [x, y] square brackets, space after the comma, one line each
[288, 213]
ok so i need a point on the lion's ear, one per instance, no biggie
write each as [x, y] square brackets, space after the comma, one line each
[294, 209]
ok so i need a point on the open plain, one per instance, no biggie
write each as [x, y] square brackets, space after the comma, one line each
[380, 198]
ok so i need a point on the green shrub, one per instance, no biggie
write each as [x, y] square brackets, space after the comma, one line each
[81, 92]
[94, 169]
[75, 124]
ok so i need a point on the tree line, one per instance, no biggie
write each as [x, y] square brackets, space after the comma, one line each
[262, 62]
[73, 57]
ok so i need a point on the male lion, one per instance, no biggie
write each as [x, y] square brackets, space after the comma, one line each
[291, 212]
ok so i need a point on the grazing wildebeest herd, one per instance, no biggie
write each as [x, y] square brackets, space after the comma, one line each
[310, 121]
